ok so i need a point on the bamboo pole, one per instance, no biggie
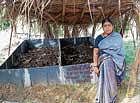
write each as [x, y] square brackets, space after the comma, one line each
[9, 49]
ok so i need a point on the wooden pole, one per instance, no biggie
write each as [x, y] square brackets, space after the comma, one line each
[9, 49]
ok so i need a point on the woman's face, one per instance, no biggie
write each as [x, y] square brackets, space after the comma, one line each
[107, 27]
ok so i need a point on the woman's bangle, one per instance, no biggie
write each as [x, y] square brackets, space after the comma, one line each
[94, 65]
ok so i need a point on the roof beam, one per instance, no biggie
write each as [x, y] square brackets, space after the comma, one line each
[63, 9]
[83, 11]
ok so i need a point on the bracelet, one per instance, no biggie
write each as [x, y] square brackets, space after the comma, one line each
[94, 65]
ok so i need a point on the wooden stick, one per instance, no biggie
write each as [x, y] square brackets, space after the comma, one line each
[9, 49]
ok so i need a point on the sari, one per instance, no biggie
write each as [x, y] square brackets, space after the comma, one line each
[112, 68]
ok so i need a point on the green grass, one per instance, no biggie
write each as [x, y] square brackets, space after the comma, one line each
[130, 52]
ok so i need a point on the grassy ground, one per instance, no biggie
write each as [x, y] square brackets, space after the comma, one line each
[83, 93]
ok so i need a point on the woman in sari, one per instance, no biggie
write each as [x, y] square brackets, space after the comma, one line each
[108, 63]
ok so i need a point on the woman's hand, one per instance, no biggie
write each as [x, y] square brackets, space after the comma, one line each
[95, 69]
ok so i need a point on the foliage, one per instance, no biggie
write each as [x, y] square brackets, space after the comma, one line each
[4, 24]
[130, 52]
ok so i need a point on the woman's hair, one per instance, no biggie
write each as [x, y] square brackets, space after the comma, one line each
[106, 20]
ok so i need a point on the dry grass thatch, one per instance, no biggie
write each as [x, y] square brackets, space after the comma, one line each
[70, 12]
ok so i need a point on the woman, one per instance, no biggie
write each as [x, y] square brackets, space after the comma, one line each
[108, 62]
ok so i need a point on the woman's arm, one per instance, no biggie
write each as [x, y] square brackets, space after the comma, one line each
[95, 56]
[95, 61]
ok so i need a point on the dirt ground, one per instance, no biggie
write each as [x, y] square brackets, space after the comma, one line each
[78, 93]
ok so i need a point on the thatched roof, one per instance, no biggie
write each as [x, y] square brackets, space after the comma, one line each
[71, 12]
